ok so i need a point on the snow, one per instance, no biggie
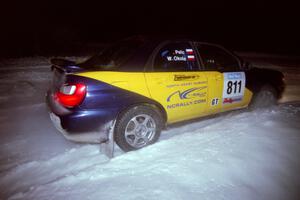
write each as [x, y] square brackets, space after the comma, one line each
[237, 155]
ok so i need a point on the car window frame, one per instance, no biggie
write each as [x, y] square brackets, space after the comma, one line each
[150, 64]
[220, 47]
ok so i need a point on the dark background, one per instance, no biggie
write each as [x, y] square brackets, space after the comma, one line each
[31, 28]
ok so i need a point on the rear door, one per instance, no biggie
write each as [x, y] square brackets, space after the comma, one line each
[176, 82]
[225, 78]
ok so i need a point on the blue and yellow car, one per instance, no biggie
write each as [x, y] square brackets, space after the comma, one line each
[131, 90]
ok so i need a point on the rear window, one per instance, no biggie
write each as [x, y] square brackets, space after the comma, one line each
[127, 55]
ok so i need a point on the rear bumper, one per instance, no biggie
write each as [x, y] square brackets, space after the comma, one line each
[99, 136]
[79, 125]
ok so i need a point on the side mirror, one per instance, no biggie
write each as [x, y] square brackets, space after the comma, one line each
[246, 65]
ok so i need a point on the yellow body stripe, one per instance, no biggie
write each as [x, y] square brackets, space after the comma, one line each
[183, 95]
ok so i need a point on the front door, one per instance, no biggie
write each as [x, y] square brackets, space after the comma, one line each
[176, 82]
[226, 80]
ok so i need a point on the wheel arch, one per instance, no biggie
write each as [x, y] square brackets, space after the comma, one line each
[153, 105]
[258, 78]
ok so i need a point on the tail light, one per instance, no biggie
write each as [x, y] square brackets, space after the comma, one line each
[71, 95]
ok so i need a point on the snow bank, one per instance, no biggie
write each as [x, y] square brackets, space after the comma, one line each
[247, 155]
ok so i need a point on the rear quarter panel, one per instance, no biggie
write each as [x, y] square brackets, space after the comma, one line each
[132, 81]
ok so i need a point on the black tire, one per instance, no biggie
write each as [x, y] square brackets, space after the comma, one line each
[138, 127]
[265, 98]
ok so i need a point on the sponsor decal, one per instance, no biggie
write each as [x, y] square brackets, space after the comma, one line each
[185, 84]
[200, 82]
[232, 100]
[188, 94]
[185, 77]
[233, 76]
[183, 104]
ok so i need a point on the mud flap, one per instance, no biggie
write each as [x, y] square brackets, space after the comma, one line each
[107, 147]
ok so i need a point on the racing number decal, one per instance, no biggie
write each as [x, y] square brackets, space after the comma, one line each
[234, 87]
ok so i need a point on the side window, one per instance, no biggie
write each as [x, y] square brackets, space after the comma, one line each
[178, 56]
[215, 58]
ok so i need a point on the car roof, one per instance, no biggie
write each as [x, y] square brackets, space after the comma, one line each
[164, 38]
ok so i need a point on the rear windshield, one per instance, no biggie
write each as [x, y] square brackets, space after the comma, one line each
[116, 55]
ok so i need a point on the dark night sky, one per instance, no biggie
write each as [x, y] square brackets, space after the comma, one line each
[43, 27]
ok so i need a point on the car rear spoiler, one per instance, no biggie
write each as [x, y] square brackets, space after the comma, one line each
[64, 65]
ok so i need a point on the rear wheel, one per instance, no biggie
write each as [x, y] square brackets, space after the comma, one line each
[265, 98]
[138, 127]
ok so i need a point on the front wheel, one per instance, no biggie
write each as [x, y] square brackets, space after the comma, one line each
[137, 128]
[265, 98]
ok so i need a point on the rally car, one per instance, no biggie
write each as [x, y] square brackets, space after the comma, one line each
[131, 90]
